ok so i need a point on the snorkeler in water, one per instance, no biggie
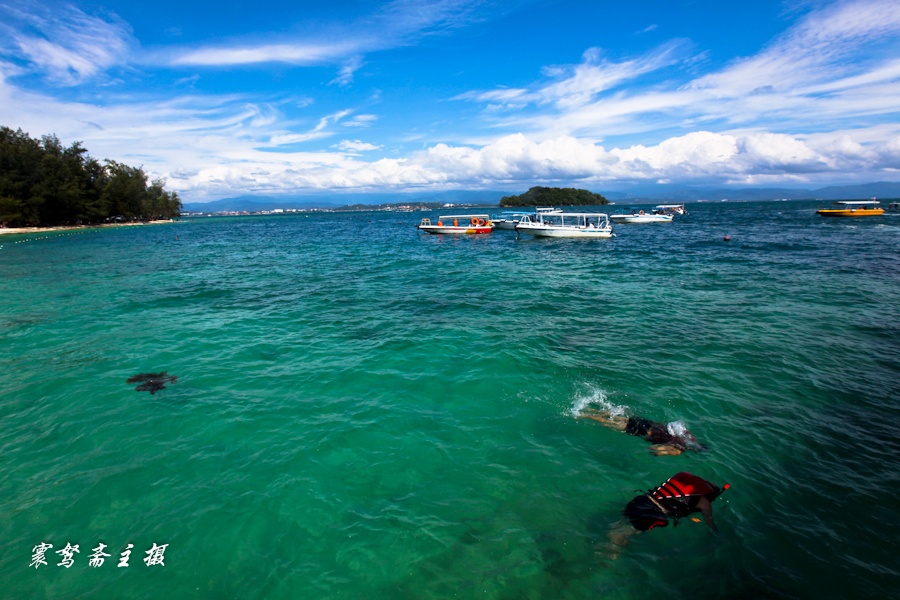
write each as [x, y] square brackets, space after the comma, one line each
[681, 495]
[668, 439]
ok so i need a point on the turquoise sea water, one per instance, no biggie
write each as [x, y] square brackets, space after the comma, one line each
[363, 411]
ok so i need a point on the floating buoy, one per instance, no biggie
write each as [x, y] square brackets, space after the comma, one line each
[727, 238]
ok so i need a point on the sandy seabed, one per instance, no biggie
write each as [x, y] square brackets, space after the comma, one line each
[20, 230]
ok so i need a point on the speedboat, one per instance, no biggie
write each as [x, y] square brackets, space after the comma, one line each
[677, 209]
[510, 218]
[657, 216]
[457, 224]
[853, 208]
[566, 224]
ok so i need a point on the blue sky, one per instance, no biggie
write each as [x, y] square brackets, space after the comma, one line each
[284, 98]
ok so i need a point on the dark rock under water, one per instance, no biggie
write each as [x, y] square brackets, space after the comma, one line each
[152, 382]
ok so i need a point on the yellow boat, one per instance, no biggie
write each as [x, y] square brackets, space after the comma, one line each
[853, 208]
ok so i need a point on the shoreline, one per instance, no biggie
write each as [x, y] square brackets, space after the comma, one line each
[25, 230]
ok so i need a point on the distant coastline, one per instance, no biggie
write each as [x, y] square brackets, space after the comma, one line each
[23, 230]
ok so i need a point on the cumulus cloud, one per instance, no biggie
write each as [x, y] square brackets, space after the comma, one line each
[697, 157]
[209, 147]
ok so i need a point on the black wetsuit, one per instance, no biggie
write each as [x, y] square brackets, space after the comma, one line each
[655, 433]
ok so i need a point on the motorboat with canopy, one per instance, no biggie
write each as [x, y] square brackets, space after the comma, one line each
[566, 224]
[853, 208]
[459, 224]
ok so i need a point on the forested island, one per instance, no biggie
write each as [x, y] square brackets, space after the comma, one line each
[544, 196]
[43, 184]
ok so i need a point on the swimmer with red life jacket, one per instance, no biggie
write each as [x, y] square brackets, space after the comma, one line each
[668, 439]
[681, 495]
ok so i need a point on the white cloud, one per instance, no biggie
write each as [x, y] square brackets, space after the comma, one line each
[504, 95]
[299, 54]
[360, 121]
[595, 75]
[801, 107]
[575, 86]
[209, 147]
[356, 146]
[698, 157]
[317, 132]
[398, 23]
[821, 48]
[836, 65]
[66, 44]
[345, 76]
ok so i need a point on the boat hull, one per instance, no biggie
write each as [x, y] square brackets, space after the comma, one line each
[851, 212]
[565, 232]
[641, 218]
[510, 225]
[450, 229]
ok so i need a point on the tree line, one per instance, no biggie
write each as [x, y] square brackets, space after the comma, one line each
[544, 196]
[45, 184]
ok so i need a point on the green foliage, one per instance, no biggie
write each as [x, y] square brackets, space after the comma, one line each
[10, 211]
[43, 183]
[543, 196]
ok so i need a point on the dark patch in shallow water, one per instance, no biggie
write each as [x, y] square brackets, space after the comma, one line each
[152, 382]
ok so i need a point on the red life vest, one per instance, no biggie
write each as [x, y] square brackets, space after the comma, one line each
[676, 498]
[683, 485]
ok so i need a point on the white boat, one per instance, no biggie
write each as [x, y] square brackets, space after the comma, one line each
[677, 209]
[641, 216]
[566, 224]
[467, 224]
[510, 218]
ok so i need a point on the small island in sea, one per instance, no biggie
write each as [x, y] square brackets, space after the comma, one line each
[544, 196]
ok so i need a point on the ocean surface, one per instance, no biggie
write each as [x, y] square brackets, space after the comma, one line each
[362, 411]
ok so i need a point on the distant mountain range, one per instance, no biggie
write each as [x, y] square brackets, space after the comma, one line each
[652, 193]
[336, 200]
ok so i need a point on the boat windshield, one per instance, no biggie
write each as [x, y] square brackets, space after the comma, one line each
[561, 219]
[510, 214]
